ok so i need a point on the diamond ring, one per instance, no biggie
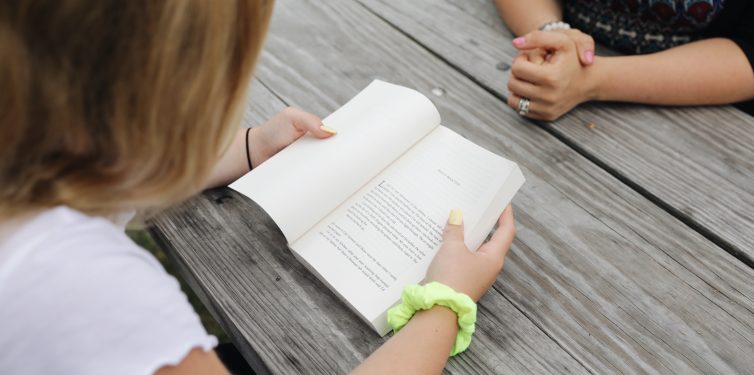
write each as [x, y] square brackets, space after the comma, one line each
[523, 106]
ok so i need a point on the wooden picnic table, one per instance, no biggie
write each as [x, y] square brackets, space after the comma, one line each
[635, 241]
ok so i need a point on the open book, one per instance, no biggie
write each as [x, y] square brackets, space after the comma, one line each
[365, 209]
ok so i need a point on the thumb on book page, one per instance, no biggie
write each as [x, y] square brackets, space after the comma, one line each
[454, 227]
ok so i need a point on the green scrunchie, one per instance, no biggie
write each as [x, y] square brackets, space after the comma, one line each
[424, 297]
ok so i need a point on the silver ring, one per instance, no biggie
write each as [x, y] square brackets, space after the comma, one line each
[523, 106]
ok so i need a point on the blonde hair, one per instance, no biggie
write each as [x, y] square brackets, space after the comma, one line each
[108, 106]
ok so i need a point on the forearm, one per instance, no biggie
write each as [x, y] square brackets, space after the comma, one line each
[421, 347]
[522, 17]
[712, 71]
[233, 163]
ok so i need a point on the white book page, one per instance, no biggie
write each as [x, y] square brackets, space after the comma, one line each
[311, 177]
[385, 236]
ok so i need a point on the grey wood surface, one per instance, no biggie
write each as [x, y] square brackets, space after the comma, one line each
[698, 163]
[286, 321]
[599, 280]
[261, 104]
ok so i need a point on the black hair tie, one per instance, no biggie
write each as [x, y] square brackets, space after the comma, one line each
[248, 153]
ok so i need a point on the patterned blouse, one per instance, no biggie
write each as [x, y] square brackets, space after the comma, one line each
[643, 26]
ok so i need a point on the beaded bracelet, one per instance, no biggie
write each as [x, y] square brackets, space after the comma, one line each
[424, 297]
[555, 25]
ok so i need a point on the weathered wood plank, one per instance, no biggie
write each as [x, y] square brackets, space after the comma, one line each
[622, 285]
[697, 162]
[261, 104]
[284, 320]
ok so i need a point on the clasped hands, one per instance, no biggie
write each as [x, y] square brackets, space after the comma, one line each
[553, 70]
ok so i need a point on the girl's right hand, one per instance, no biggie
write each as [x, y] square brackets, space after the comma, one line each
[470, 272]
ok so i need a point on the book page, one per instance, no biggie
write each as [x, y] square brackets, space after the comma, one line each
[385, 236]
[311, 177]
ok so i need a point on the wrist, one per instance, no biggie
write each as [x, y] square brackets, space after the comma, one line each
[536, 24]
[428, 297]
[597, 75]
[257, 146]
[443, 315]
[455, 284]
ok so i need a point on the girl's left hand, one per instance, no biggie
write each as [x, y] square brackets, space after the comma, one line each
[283, 129]
[554, 86]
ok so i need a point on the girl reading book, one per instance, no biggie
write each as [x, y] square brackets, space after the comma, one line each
[114, 107]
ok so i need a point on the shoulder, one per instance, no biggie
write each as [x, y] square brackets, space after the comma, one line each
[81, 297]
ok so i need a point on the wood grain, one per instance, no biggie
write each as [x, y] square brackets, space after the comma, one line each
[599, 278]
[285, 321]
[261, 104]
[698, 163]
[618, 282]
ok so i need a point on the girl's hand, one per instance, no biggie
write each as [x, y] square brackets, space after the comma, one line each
[283, 129]
[264, 141]
[555, 86]
[469, 272]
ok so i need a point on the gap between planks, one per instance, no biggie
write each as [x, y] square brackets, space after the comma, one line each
[624, 179]
[493, 287]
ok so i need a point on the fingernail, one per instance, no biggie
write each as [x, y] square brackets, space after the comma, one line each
[328, 130]
[456, 217]
[589, 56]
[519, 41]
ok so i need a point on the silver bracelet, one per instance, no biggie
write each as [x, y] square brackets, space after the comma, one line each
[555, 25]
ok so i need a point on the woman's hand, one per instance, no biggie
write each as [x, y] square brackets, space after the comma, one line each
[265, 141]
[557, 84]
[283, 129]
[584, 44]
[470, 272]
[584, 47]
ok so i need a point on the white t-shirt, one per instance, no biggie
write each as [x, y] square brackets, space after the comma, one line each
[77, 296]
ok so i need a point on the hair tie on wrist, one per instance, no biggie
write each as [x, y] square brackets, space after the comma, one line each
[248, 153]
[424, 297]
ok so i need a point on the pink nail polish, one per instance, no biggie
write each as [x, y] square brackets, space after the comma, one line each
[519, 41]
[589, 57]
